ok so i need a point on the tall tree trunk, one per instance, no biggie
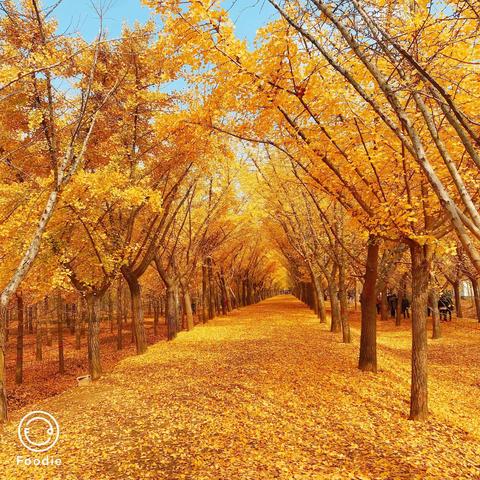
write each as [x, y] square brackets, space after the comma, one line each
[69, 314]
[61, 355]
[171, 313]
[7, 325]
[420, 276]
[156, 316]
[368, 299]
[110, 309]
[78, 323]
[138, 325]
[119, 314]
[226, 293]
[249, 291]
[178, 307]
[211, 292]
[322, 315]
[458, 298]
[316, 307]
[223, 293]
[187, 301]
[94, 363]
[355, 295]
[335, 325]
[402, 291]
[48, 322]
[20, 329]
[433, 302]
[311, 297]
[205, 294]
[38, 338]
[30, 319]
[476, 295]
[343, 305]
[3, 366]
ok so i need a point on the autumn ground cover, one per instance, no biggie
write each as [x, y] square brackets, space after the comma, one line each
[267, 392]
[41, 377]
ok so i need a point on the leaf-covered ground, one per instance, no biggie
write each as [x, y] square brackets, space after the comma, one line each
[267, 393]
[41, 378]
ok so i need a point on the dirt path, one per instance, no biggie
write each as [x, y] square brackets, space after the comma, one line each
[267, 393]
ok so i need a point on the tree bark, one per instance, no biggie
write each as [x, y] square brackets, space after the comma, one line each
[249, 292]
[38, 338]
[78, 323]
[205, 294]
[61, 355]
[138, 325]
[187, 301]
[119, 314]
[344, 305]
[211, 293]
[420, 276]
[30, 319]
[178, 307]
[433, 302]
[335, 325]
[94, 363]
[20, 330]
[316, 306]
[228, 298]
[3, 366]
[368, 299]
[402, 291]
[223, 293]
[156, 316]
[476, 295]
[458, 299]
[48, 322]
[322, 315]
[171, 313]
[110, 309]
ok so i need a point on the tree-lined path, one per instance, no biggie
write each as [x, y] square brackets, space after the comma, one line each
[267, 392]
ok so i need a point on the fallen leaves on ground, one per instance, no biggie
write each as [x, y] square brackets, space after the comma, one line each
[267, 393]
[41, 377]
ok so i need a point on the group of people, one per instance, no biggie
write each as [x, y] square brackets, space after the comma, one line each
[445, 306]
[392, 301]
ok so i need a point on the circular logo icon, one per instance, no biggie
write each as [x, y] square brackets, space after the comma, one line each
[38, 431]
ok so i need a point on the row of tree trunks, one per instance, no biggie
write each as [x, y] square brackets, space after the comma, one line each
[86, 312]
[311, 294]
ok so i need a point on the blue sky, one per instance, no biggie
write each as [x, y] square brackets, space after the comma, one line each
[79, 15]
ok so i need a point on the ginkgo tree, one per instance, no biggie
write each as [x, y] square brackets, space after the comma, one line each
[34, 126]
